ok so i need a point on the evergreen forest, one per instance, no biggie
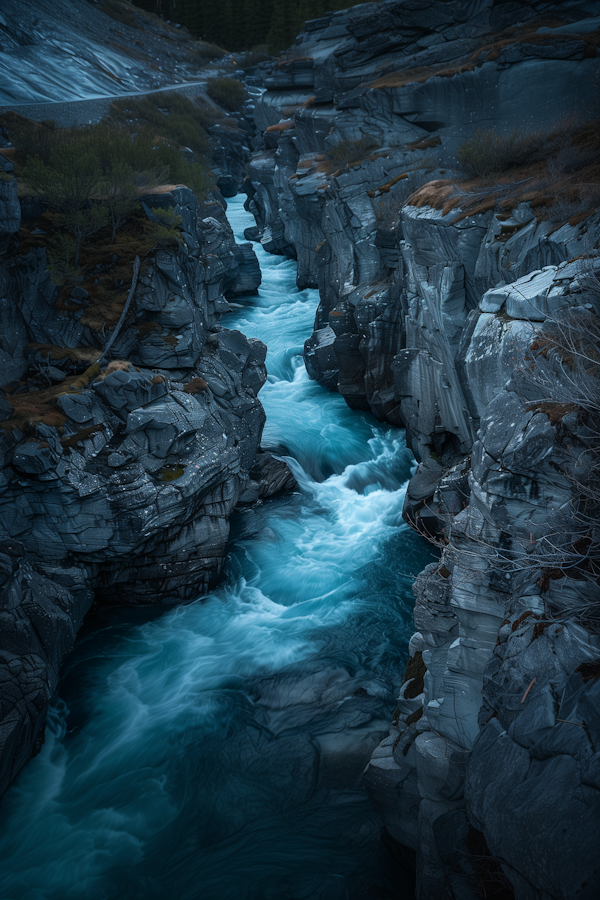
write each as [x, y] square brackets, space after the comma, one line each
[238, 25]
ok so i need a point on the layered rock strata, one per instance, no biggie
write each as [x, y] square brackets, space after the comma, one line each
[123, 450]
[435, 296]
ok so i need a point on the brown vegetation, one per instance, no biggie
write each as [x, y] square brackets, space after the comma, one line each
[35, 407]
[227, 92]
[281, 126]
[196, 385]
[560, 180]
[521, 34]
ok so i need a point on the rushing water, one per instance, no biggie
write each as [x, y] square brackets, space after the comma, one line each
[215, 751]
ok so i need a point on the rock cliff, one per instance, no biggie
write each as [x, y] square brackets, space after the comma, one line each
[130, 429]
[457, 305]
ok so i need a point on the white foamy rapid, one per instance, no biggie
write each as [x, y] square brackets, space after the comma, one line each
[215, 751]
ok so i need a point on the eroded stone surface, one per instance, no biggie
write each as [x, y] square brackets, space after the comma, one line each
[118, 482]
[426, 317]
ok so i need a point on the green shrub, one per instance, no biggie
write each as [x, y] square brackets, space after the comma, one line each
[206, 51]
[66, 183]
[227, 92]
[118, 193]
[169, 115]
[166, 225]
[255, 56]
[352, 151]
[489, 153]
[92, 176]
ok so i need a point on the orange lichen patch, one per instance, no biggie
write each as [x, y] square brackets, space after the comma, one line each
[425, 143]
[308, 102]
[591, 39]
[281, 126]
[307, 163]
[195, 385]
[399, 79]
[418, 75]
[371, 158]
[319, 163]
[445, 194]
[385, 188]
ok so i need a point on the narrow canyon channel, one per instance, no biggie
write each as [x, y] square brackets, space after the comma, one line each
[215, 750]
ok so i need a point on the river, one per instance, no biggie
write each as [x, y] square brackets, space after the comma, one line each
[215, 751]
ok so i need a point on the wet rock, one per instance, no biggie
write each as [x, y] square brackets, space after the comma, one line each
[119, 481]
[428, 314]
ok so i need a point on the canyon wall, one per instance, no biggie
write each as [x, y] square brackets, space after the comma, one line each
[445, 304]
[129, 430]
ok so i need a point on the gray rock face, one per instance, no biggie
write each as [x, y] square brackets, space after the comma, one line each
[118, 482]
[428, 312]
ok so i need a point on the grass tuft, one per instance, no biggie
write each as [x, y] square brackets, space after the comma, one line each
[227, 92]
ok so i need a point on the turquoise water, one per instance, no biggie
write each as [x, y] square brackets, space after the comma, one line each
[215, 751]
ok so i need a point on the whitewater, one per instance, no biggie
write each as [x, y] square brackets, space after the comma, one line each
[215, 751]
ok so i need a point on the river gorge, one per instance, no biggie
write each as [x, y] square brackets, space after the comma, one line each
[300, 455]
[217, 750]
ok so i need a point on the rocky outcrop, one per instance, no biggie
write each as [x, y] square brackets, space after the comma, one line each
[67, 51]
[436, 294]
[123, 449]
